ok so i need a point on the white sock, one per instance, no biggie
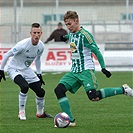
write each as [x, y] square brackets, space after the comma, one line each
[40, 105]
[22, 101]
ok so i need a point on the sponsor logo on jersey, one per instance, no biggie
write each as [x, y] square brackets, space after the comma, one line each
[73, 47]
[30, 57]
[14, 49]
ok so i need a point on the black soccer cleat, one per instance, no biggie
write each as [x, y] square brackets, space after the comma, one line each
[44, 115]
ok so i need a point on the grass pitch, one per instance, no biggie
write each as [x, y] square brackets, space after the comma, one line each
[110, 115]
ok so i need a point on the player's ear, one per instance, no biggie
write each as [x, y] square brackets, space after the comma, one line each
[76, 20]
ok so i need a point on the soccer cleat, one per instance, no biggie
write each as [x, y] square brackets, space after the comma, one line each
[71, 124]
[127, 90]
[44, 115]
[21, 115]
[55, 126]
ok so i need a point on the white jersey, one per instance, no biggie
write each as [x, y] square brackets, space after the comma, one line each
[24, 53]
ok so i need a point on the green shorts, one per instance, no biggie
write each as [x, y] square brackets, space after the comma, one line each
[73, 81]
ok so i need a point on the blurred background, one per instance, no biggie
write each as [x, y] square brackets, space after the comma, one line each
[107, 20]
[110, 21]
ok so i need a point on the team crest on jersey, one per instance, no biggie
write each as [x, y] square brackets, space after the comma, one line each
[73, 47]
[38, 52]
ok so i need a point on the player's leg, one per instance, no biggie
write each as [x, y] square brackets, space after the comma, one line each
[96, 95]
[16, 76]
[67, 83]
[108, 92]
[90, 84]
[40, 93]
[112, 91]
[22, 83]
[63, 101]
[35, 85]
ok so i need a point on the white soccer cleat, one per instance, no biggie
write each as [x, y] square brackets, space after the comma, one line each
[55, 126]
[21, 115]
[127, 90]
[72, 124]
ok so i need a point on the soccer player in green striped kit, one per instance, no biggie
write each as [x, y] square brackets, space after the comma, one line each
[82, 73]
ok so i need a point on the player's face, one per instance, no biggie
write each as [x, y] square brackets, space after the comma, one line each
[35, 35]
[72, 25]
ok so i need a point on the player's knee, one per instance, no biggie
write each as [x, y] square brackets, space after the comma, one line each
[40, 93]
[22, 83]
[60, 91]
[94, 95]
[24, 88]
[36, 87]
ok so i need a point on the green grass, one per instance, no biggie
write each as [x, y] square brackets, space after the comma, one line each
[110, 115]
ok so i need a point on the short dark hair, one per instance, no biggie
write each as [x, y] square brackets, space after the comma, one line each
[36, 25]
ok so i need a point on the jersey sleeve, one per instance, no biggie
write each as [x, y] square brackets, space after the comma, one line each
[17, 48]
[38, 65]
[38, 60]
[42, 50]
[5, 58]
[91, 44]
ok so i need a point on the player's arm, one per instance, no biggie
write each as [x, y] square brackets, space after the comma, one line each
[90, 43]
[14, 51]
[38, 68]
[3, 63]
[99, 56]
[38, 64]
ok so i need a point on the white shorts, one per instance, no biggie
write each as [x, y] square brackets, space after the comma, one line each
[28, 74]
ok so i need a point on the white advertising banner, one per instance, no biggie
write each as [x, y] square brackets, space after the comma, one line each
[57, 58]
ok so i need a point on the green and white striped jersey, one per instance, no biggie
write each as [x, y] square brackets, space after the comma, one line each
[82, 45]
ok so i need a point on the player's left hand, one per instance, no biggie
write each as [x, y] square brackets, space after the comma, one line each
[106, 72]
[2, 75]
[41, 79]
[63, 39]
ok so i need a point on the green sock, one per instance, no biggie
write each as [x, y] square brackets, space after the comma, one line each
[65, 106]
[107, 92]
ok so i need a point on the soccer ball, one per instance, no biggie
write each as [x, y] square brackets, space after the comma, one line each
[62, 120]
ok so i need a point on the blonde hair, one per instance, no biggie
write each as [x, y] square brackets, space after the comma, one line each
[71, 15]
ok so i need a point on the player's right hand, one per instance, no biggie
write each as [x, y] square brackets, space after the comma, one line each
[2, 75]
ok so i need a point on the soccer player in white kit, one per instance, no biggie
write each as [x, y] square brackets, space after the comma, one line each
[18, 69]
